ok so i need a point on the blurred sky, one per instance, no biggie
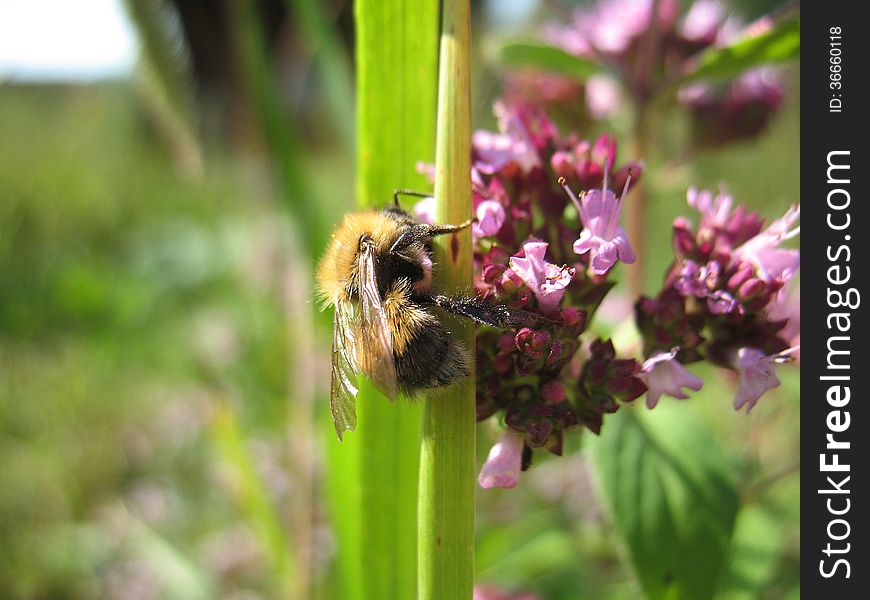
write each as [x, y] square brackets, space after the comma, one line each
[65, 40]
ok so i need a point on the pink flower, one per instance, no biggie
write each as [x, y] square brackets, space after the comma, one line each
[490, 217]
[504, 462]
[703, 21]
[497, 150]
[757, 373]
[786, 306]
[516, 144]
[546, 280]
[602, 236]
[665, 375]
[424, 210]
[715, 211]
[612, 25]
[603, 96]
[762, 251]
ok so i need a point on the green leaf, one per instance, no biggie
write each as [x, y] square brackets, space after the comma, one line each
[672, 497]
[781, 43]
[754, 555]
[517, 54]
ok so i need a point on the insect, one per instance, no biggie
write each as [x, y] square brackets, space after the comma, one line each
[377, 275]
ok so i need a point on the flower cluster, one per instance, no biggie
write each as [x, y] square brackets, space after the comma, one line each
[545, 250]
[648, 43]
[724, 297]
[533, 376]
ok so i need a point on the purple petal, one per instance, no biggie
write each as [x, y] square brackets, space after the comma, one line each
[490, 217]
[424, 210]
[626, 254]
[757, 375]
[547, 281]
[604, 257]
[503, 464]
[664, 375]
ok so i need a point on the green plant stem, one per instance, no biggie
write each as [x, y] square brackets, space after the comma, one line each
[636, 204]
[447, 461]
[396, 60]
[647, 63]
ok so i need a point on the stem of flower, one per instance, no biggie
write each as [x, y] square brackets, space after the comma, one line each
[447, 460]
[636, 214]
[636, 207]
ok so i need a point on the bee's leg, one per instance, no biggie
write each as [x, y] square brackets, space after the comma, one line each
[442, 229]
[424, 232]
[496, 315]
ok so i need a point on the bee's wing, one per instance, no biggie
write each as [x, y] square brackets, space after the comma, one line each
[374, 342]
[342, 399]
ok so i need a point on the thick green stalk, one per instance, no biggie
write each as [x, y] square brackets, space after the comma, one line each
[447, 462]
[396, 59]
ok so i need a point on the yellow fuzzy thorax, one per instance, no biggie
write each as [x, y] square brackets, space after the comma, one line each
[338, 266]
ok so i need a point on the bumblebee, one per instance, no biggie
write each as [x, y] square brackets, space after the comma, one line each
[377, 275]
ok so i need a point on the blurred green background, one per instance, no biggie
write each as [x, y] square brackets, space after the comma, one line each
[162, 378]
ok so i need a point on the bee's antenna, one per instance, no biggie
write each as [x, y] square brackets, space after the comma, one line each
[398, 193]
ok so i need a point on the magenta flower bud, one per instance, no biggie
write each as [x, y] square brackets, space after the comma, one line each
[621, 177]
[751, 289]
[503, 464]
[571, 316]
[540, 339]
[743, 273]
[562, 164]
[684, 239]
[552, 392]
[604, 151]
